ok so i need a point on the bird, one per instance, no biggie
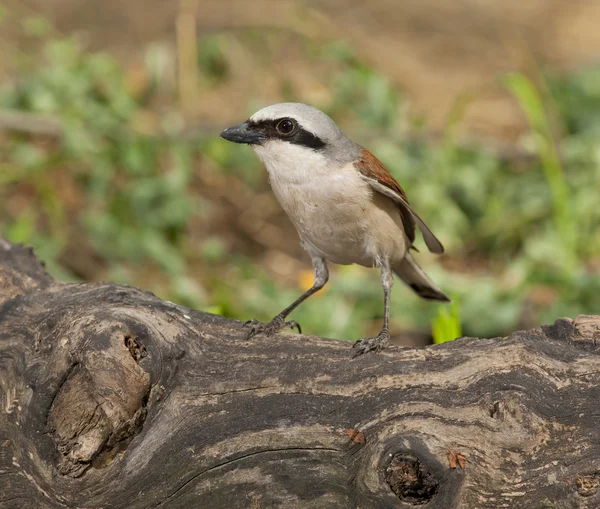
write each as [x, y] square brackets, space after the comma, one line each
[344, 203]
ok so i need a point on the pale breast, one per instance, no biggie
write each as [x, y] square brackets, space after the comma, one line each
[335, 211]
[339, 218]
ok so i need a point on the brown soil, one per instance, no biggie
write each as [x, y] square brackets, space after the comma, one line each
[436, 50]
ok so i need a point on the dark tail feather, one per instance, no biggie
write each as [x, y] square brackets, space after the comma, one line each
[415, 278]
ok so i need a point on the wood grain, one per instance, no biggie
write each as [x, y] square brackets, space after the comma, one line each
[112, 398]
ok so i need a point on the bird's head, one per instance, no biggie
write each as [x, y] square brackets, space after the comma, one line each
[291, 132]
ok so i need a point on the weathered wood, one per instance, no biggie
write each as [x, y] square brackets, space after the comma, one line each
[112, 398]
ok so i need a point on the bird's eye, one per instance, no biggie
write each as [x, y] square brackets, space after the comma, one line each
[286, 126]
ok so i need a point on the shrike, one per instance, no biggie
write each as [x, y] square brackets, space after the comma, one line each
[344, 203]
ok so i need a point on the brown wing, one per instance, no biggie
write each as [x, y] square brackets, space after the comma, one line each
[381, 180]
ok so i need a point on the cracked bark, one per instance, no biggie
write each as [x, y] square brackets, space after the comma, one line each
[112, 398]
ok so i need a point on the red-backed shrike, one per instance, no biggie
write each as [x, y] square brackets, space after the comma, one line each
[344, 203]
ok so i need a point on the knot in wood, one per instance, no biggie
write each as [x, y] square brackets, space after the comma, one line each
[587, 485]
[410, 479]
[562, 329]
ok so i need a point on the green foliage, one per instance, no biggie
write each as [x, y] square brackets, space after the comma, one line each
[531, 102]
[120, 186]
[446, 325]
[211, 58]
[134, 186]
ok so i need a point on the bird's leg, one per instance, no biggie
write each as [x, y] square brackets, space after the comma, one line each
[321, 277]
[379, 342]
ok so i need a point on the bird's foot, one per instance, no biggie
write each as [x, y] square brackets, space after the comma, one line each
[254, 327]
[376, 344]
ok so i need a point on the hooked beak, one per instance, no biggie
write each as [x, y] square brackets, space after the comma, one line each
[243, 133]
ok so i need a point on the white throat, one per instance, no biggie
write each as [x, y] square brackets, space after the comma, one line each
[290, 163]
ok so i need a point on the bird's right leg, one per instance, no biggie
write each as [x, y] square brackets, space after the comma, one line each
[380, 341]
[321, 277]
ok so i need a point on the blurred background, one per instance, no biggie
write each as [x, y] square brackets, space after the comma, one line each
[486, 112]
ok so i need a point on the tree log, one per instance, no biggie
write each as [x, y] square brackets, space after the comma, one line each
[112, 398]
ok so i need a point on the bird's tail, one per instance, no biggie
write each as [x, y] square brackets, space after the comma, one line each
[415, 278]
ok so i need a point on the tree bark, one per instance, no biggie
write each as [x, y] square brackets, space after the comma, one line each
[111, 398]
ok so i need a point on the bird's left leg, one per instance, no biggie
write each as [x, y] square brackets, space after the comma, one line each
[321, 277]
[379, 342]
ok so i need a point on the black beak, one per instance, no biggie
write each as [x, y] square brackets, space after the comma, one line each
[243, 133]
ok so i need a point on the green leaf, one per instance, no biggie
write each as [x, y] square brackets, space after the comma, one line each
[446, 325]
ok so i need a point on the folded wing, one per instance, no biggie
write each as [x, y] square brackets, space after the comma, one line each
[381, 180]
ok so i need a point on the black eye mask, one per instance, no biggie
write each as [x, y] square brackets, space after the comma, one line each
[268, 130]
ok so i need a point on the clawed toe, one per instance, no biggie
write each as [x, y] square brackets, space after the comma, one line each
[366, 345]
[255, 327]
[293, 324]
[252, 327]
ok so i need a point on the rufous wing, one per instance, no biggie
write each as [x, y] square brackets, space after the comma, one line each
[381, 180]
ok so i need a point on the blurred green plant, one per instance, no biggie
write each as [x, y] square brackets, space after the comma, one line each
[116, 194]
[446, 325]
[133, 186]
[531, 102]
